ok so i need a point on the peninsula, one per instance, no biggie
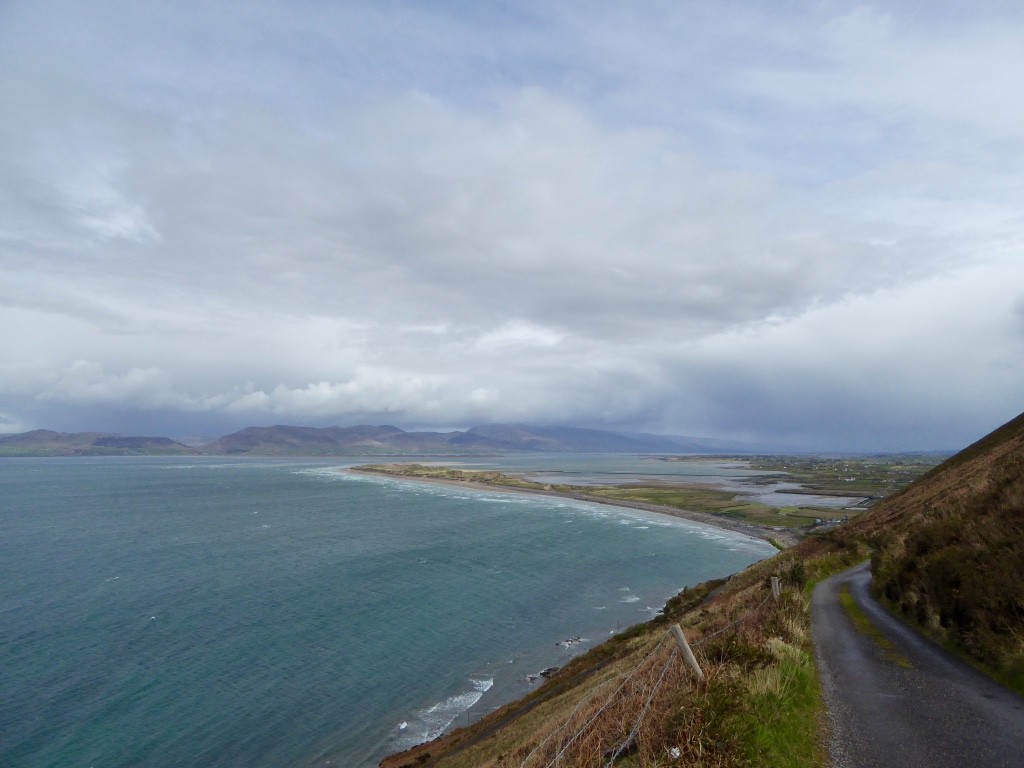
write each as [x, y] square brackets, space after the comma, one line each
[700, 504]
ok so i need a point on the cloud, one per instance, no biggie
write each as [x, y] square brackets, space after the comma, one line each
[876, 367]
[517, 334]
[86, 383]
[10, 425]
[671, 217]
[369, 392]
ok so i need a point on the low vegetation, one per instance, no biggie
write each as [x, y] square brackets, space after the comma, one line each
[684, 498]
[725, 503]
[448, 474]
[871, 477]
[948, 555]
[759, 704]
[863, 625]
[953, 562]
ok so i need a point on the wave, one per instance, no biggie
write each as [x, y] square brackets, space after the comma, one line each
[332, 473]
[432, 721]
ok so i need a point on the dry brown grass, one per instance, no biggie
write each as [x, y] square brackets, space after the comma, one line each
[950, 552]
[648, 707]
[758, 705]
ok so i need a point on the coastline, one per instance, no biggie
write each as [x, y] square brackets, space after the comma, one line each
[779, 538]
[524, 701]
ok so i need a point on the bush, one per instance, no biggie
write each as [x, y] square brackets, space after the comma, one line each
[958, 571]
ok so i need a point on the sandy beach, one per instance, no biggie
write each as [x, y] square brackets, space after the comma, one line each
[774, 536]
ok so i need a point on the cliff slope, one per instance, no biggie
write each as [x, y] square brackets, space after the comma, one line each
[950, 552]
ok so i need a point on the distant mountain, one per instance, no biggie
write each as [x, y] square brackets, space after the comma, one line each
[559, 439]
[45, 442]
[362, 440]
[494, 438]
[579, 440]
[283, 440]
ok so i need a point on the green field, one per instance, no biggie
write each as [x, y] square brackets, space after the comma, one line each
[725, 503]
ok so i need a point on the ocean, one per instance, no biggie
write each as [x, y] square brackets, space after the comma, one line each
[262, 612]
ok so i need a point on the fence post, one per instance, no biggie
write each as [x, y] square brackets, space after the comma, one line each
[776, 588]
[688, 657]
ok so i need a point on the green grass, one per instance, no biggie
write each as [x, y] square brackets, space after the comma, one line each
[778, 722]
[688, 499]
[427, 472]
[695, 499]
[864, 626]
[772, 714]
[761, 704]
[870, 476]
[716, 503]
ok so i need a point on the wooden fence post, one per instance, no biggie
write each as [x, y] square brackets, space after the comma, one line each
[688, 657]
[776, 588]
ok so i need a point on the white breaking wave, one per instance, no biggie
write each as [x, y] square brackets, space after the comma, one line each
[431, 722]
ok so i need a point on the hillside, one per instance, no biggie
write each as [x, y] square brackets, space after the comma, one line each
[949, 555]
[950, 552]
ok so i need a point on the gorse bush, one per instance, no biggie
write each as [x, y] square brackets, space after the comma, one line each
[958, 571]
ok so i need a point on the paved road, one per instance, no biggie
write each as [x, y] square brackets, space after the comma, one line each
[938, 713]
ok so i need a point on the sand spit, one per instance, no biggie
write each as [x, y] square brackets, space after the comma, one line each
[779, 537]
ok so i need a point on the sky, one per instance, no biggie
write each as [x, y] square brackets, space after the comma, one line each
[799, 223]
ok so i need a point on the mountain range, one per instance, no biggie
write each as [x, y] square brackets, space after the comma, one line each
[283, 440]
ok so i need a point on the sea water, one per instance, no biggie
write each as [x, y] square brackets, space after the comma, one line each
[181, 611]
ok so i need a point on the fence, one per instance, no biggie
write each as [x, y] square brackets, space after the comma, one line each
[596, 726]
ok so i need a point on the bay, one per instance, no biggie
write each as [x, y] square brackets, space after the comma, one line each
[169, 611]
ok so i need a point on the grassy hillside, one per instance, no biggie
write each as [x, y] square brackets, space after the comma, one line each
[950, 552]
[759, 704]
[949, 555]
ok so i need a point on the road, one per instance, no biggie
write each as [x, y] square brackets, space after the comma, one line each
[910, 705]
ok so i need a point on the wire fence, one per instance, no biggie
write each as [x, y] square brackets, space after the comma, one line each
[601, 728]
[594, 717]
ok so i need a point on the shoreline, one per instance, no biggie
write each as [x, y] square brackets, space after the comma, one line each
[526, 699]
[779, 538]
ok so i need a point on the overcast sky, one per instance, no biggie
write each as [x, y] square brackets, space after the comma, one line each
[784, 221]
